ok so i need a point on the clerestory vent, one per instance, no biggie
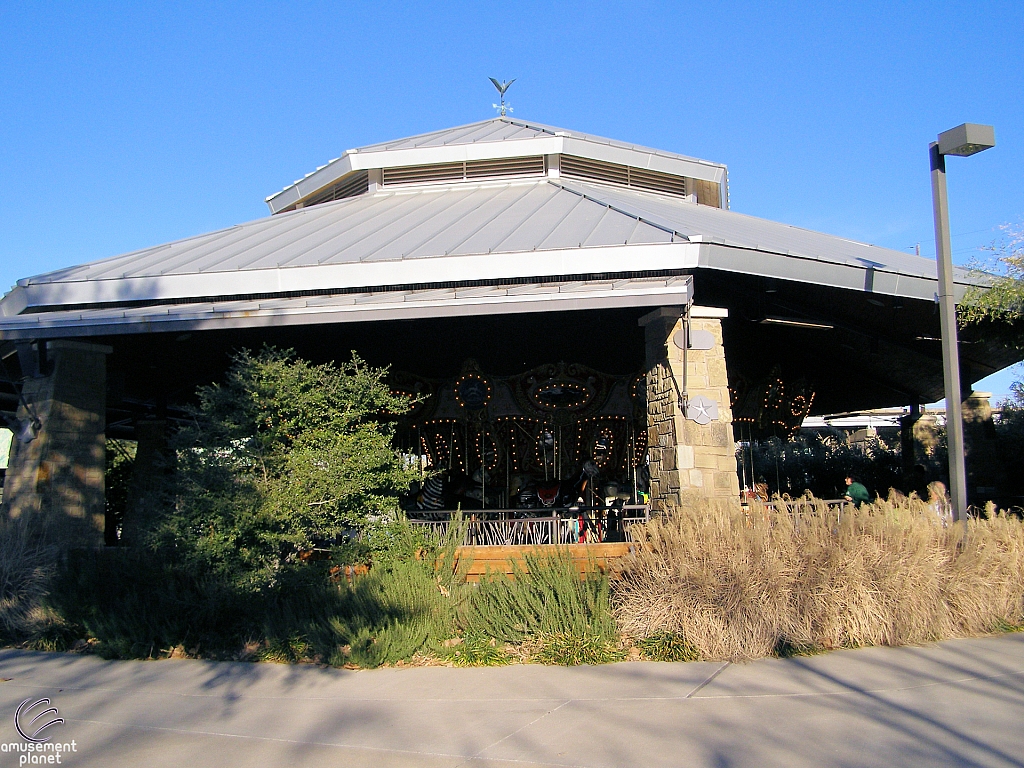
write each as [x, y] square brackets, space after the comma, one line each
[638, 178]
[352, 185]
[462, 171]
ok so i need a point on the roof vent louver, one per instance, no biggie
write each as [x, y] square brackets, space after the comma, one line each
[350, 186]
[462, 171]
[627, 176]
[507, 166]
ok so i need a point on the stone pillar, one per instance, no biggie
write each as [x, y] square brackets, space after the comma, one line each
[148, 469]
[908, 449]
[57, 479]
[686, 455]
[986, 476]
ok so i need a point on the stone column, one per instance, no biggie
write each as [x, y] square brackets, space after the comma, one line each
[986, 476]
[686, 455]
[148, 470]
[57, 479]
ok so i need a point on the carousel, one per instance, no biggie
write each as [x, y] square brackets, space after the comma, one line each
[477, 259]
[557, 454]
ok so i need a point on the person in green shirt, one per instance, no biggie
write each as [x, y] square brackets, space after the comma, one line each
[856, 492]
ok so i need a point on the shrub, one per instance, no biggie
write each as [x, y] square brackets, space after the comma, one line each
[474, 650]
[667, 646]
[570, 649]
[548, 597]
[737, 585]
[281, 456]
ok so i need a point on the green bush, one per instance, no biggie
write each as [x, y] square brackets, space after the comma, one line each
[570, 649]
[548, 597]
[282, 456]
[475, 650]
[667, 646]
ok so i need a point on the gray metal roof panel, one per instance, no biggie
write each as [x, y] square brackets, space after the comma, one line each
[427, 222]
[510, 129]
[495, 129]
[730, 228]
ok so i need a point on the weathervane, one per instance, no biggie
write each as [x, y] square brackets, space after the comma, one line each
[502, 87]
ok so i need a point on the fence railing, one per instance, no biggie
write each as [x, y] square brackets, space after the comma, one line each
[798, 506]
[509, 527]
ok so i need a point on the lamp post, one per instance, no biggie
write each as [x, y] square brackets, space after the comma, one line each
[963, 141]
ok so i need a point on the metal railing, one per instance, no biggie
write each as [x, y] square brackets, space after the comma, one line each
[512, 527]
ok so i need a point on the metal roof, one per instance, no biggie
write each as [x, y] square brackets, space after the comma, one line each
[472, 232]
[500, 137]
[740, 243]
[507, 129]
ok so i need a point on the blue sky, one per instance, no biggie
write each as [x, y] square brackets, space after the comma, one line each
[128, 125]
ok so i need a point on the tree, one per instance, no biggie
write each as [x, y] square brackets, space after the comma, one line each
[1002, 301]
[282, 455]
[999, 309]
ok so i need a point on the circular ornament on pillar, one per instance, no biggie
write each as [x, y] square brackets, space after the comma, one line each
[699, 340]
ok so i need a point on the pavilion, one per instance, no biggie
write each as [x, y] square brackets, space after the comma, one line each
[559, 296]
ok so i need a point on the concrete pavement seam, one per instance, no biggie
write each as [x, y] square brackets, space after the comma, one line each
[336, 745]
[690, 695]
[700, 687]
[517, 730]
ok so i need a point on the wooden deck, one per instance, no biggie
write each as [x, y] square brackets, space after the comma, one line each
[500, 559]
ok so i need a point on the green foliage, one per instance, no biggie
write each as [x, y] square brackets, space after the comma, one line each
[1002, 300]
[571, 649]
[819, 462]
[351, 552]
[282, 455]
[476, 650]
[786, 649]
[1010, 433]
[137, 606]
[117, 482]
[667, 646]
[548, 598]
[393, 613]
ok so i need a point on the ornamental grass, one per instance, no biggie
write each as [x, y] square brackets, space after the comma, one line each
[737, 584]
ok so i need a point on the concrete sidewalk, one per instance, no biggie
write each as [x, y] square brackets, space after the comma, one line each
[955, 703]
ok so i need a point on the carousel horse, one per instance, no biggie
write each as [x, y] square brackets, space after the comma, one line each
[431, 495]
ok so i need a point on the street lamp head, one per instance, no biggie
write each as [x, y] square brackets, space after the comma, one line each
[967, 139]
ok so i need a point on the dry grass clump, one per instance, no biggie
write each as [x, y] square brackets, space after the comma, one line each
[26, 568]
[740, 584]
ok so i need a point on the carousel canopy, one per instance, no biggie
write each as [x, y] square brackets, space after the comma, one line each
[497, 217]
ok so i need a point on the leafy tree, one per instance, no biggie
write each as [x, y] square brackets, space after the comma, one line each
[999, 312]
[820, 461]
[282, 455]
[1003, 300]
[1010, 430]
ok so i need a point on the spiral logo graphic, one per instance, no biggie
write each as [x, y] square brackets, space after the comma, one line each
[30, 722]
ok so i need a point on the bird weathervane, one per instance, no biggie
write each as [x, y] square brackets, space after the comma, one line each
[502, 107]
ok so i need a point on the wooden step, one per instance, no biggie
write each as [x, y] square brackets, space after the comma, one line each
[500, 559]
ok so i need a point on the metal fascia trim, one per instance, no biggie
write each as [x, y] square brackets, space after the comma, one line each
[816, 271]
[484, 266]
[608, 298]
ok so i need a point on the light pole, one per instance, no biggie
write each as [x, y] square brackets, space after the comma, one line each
[964, 140]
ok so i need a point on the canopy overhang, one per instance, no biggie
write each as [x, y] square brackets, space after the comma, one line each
[359, 307]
